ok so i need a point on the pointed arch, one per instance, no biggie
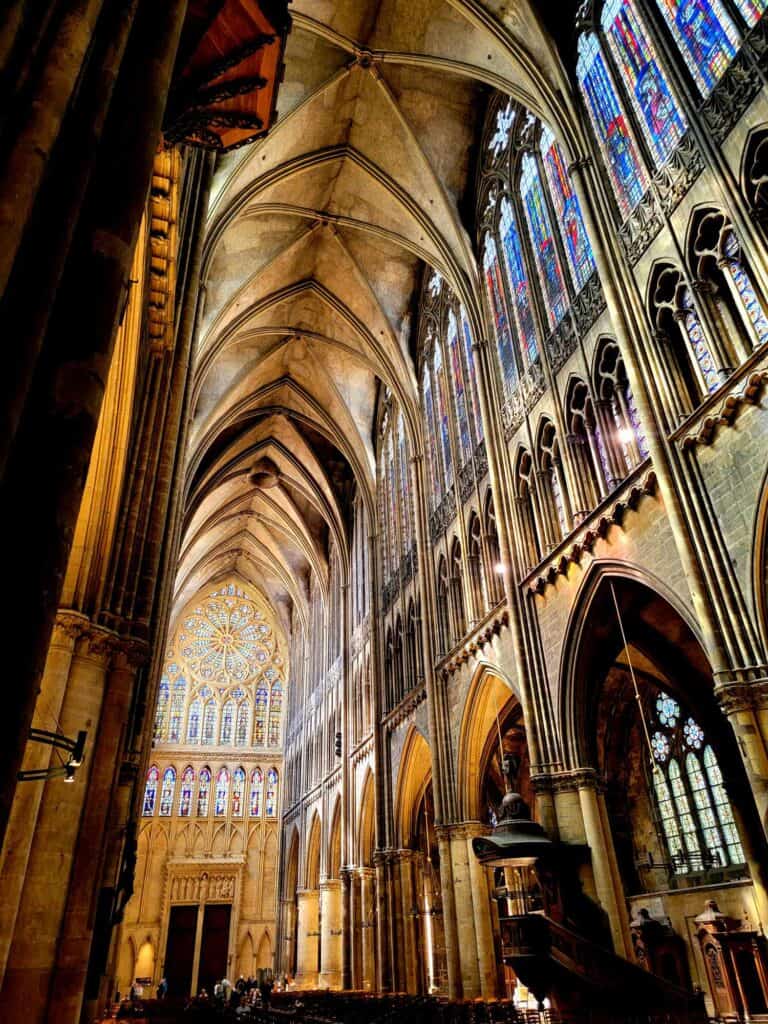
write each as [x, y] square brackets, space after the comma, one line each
[413, 777]
[333, 864]
[490, 698]
[366, 822]
[312, 857]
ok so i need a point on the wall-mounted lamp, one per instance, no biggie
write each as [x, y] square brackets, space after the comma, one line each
[66, 771]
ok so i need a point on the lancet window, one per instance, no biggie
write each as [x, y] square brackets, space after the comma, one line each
[630, 94]
[270, 799]
[238, 792]
[187, 789]
[221, 804]
[257, 793]
[150, 791]
[453, 420]
[203, 792]
[396, 507]
[537, 256]
[694, 809]
[167, 792]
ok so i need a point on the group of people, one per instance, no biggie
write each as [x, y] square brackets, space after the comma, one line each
[241, 997]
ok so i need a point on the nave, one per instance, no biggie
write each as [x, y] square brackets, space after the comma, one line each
[384, 482]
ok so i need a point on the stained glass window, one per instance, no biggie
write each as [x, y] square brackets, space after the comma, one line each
[187, 787]
[575, 239]
[469, 360]
[391, 497]
[443, 425]
[694, 810]
[193, 722]
[238, 792]
[275, 710]
[241, 731]
[457, 375]
[227, 722]
[429, 414]
[161, 710]
[203, 792]
[257, 789]
[657, 110]
[167, 791]
[225, 638]
[495, 288]
[752, 10]
[405, 486]
[543, 241]
[744, 290]
[177, 711]
[723, 807]
[628, 175]
[260, 716]
[150, 791]
[518, 282]
[694, 332]
[705, 35]
[209, 723]
[270, 803]
[222, 793]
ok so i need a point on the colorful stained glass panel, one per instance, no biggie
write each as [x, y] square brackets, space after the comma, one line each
[573, 233]
[518, 283]
[543, 241]
[493, 283]
[705, 35]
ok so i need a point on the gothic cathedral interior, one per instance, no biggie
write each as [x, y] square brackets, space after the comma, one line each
[384, 473]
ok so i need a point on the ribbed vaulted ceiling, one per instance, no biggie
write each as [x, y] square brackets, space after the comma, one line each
[316, 240]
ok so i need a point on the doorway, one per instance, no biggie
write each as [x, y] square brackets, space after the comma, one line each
[214, 945]
[180, 950]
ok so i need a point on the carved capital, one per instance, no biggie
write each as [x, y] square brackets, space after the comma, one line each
[574, 779]
[742, 695]
[68, 627]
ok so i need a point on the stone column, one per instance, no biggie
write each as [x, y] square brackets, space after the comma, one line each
[26, 804]
[74, 947]
[307, 937]
[745, 704]
[604, 866]
[33, 950]
[488, 966]
[450, 931]
[285, 953]
[467, 946]
[367, 921]
[331, 934]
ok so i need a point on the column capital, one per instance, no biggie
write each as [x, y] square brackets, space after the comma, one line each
[742, 694]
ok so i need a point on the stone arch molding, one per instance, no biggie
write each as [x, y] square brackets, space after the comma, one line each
[571, 693]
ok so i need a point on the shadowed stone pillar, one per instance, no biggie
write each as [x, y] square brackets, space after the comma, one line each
[307, 938]
[488, 966]
[74, 947]
[367, 880]
[26, 805]
[604, 866]
[331, 934]
[33, 951]
[465, 913]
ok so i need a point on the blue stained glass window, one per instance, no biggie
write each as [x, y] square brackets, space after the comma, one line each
[193, 723]
[518, 282]
[238, 792]
[744, 289]
[572, 230]
[454, 348]
[469, 357]
[222, 793]
[705, 35]
[544, 249]
[150, 792]
[443, 426]
[209, 723]
[177, 710]
[698, 342]
[429, 411]
[187, 785]
[492, 269]
[227, 722]
[241, 731]
[166, 793]
[405, 486]
[657, 110]
[752, 10]
[203, 792]
[628, 175]
[161, 710]
[257, 788]
[391, 500]
[270, 803]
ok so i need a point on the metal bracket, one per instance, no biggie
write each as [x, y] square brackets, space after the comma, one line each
[75, 748]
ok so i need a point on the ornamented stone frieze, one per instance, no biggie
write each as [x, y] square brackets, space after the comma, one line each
[748, 392]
